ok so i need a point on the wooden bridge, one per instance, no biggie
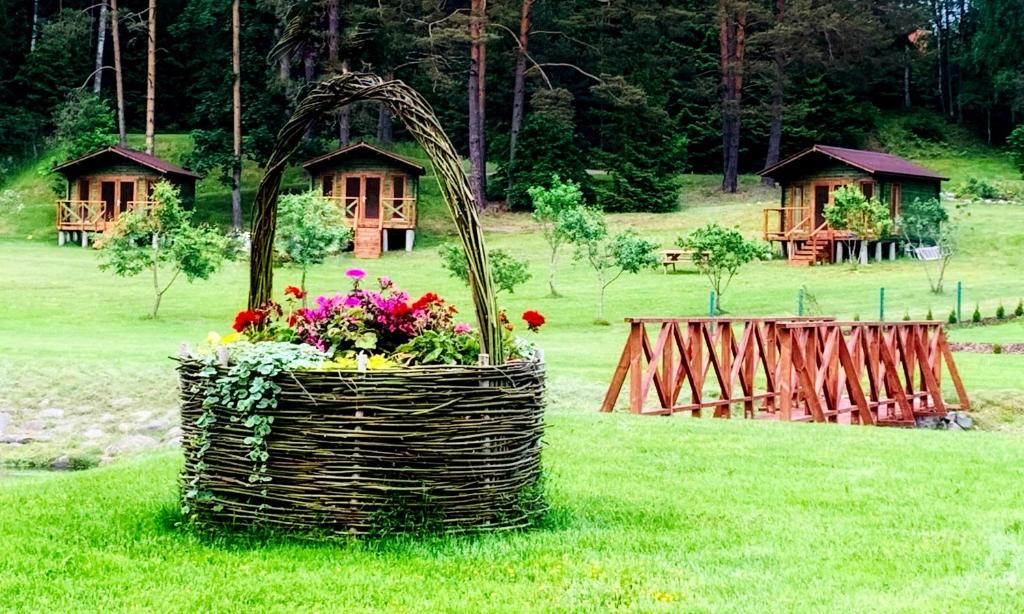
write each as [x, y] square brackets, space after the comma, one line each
[793, 369]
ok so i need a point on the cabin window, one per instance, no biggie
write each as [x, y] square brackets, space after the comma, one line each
[83, 189]
[327, 182]
[867, 188]
[398, 192]
[895, 198]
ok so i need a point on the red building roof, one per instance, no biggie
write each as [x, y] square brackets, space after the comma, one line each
[361, 147]
[161, 166]
[870, 161]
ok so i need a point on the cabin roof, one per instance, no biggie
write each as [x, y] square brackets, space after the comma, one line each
[161, 166]
[363, 148]
[869, 161]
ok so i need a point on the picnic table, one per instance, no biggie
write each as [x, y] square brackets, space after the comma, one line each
[672, 257]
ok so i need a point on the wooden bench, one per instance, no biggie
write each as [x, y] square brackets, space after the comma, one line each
[672, 257]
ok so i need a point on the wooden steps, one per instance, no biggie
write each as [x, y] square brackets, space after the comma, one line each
[811, 252]
[367, 242]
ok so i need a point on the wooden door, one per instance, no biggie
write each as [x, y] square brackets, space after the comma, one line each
[126, 195]
[108, 194]
[370, 213]
[821, 200]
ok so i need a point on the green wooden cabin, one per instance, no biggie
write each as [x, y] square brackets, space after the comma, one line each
[377, 190]
[808, 181]
[103, 184]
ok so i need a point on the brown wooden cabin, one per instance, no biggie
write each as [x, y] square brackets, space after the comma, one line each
[377, 191]
[108, 182]
[808, 181]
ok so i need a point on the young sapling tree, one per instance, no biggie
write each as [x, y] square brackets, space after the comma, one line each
[507, 271]
[309, 230]
[609, 256]
[549, 207]
[925, 223]
[163, 237]
[864, 219]
[719, 253]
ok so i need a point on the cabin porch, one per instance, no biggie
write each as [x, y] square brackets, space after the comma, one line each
[380, 208]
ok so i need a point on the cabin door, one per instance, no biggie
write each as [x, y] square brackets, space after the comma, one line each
[108, 194]
[126, 195]
[369, 212]
[821, 196]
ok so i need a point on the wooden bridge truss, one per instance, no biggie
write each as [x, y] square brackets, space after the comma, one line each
[794, 369]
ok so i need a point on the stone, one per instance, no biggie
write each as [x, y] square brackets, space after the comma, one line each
[155, 426]
[51, 413]
[122, 402]
[16, 439]
[126, 427]
[130, 444]
[61, 463]
[5, 421]
[963, 419]
[94, 433]
[33, 425]
[142, 416]
[173, 433]
[953, 426]
[174, 442]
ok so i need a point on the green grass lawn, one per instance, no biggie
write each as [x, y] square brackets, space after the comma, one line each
[649, 513]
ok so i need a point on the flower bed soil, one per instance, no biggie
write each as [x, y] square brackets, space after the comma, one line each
[987, 348]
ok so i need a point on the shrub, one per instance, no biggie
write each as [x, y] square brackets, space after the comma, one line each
[997, 348]
[952, 317]
[1000, 312]
[976, 316]
[508, 272]
[906, 316]
[309, 229]
[549, 207]
[866, 218]
[1015, 143]
[983, 190]
[719, 253]
[929, 316]
[1019, 311]
[856, 317]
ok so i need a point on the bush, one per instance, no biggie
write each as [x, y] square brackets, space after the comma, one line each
[1000, 312]
[1019, 311]
[982, 189]
[929, 315]
[906, 316]
[997, 348]
[952, 317]
[309, 229]
[976, 316]
[1015, 143]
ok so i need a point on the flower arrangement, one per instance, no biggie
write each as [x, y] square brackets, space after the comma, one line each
[379, 321]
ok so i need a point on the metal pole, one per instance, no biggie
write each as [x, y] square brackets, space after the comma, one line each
[800, 302]
[711, 304]
[959, 300]
[881, 304]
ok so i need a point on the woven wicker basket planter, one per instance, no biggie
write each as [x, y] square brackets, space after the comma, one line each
[354, 453]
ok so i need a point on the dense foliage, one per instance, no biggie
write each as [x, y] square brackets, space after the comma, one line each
[633, 86]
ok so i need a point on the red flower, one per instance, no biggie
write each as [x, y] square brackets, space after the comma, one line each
[248, 318]
[426, 300]
[294, 291]
[534, 320]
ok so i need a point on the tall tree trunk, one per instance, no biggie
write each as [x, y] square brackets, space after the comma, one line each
[236, 107]
[519, 87]
[345, 113]
[115, 39]
[906, 77]
[151, 81]
[35, 26]
[476, 95]
[345, 117]
[732, 36]
[777, 108]
[385, 123]
[101, 42]
[939, 49]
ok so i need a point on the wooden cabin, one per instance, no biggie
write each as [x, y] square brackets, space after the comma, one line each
[377, 191]
[808, 181]
[108, 182]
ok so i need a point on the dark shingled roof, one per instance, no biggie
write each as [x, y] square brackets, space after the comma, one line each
[366, 148]
[870, 161]
[139, 157]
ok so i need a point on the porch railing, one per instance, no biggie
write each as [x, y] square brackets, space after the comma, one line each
[81, 215]
[394, 212]
[782, 229]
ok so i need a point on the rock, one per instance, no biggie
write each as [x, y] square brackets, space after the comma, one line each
[50, 414]
[122, 402]
[141, 416]
[155, 426]
[953, 426]
[33, 425]
[130, 444]
[965, 421]
[126, 427]
[173, 433]
[5, 420]
[16, 439]
[94, 433]
[929, 422]
[61, 463]
[174, 442]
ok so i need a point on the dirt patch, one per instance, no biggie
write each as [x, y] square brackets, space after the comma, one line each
[987, 348]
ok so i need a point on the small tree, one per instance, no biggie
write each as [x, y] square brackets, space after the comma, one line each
[719, 253]
[164, 237]
[866, 219]
[507, 271]
[309, 229]
[1015, 143]
[549, 207]
[609, 256]
[925, 223]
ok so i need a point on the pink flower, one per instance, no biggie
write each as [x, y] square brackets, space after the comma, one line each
[356, 274]
[462, 328]
[385, 281]
[352, 301]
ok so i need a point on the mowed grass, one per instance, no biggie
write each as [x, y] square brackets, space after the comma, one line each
[648, 515]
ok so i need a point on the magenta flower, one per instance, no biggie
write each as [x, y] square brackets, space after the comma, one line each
[356, 274]
[462, 328]
[352, 301]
